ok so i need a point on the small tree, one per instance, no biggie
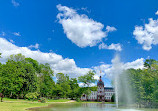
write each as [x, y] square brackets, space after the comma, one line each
[113, 98]
[87, 80]
[32, 96]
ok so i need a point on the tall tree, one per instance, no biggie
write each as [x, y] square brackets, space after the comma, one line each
[45, 80]
[87, 80]
[64, 83]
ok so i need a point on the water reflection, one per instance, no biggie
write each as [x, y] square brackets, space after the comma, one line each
[87, 107]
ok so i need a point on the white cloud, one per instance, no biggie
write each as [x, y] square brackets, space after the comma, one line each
[156, 13]
[110, 29]
[57, 62]
[36, 46]
[147, 35]
[16, 33]
[16, 4]
[60, 64]
[83, 85]
[113, 46]
[11, 41]
[80, 29]
[109, 69]
[137, 64]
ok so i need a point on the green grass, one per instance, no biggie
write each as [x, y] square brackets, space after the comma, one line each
[96, 102]
[21, 104]
[58, 100]
[22, 100]
[14, 100]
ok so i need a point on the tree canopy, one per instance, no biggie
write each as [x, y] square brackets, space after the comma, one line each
[22, 77]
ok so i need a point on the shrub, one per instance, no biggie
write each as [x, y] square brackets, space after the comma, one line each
[78, 99]
[32, 96]
[43, 100]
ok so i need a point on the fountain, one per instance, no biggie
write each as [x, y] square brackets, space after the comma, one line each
[122, 88]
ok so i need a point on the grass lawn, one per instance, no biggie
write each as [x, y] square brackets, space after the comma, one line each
[96, 102]
[21, 104]
[58, 100]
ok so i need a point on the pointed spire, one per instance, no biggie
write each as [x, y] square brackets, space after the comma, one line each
[100, 78]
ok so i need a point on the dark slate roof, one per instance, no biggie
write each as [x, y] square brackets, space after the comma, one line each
[100, 83]
[109, 88]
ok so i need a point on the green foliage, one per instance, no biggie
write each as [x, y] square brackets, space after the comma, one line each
[88, 78]
[63, 89]
[145, 84]
[113, 98]
[78, 99]
[21, 76]
[43, 100]
[32, 96]
[45, 80]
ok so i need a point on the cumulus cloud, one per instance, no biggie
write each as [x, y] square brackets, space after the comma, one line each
[12, 41]
[16, 33]
[60, 64]
[57, 62]
[83, 85]
[15, 4]
[36, 46]
[110, 29]
[80, 29]
[113, 46]
[147, 35]
[109, 69]
[156, 13]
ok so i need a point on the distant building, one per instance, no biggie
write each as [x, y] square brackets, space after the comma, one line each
[102, 93]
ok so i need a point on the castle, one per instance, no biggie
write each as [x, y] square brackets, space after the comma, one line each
[102, 93]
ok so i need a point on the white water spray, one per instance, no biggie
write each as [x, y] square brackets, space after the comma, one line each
[117, 70]
[122, 89]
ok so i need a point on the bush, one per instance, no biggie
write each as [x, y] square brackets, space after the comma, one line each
[43, 100]
[78, 99]
[113, 98]
[32, 96]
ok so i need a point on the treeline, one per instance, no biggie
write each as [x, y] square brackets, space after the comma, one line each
[144, 84]
[22, 77]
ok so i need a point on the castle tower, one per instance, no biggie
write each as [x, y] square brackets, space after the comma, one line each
[100, 90]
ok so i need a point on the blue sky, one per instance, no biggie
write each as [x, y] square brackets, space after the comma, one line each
[24, 23]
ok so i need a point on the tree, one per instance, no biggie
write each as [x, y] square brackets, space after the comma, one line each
[144, 83]
[18, 77]
[61, 78]
[45, 80]
[149, 62]
[74, 89]
[87, 80]
[63, 81]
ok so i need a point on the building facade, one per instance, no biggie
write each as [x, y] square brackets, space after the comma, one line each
[102, 93]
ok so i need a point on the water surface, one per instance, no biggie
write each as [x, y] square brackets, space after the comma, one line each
[87, 107]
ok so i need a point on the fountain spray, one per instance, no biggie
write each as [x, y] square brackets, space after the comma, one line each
[121, 85]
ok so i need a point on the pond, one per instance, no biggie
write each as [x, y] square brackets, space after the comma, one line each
[87, 107]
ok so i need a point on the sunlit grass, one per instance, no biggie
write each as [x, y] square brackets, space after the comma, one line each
[21, 104]
[96, 102]
[58, 100]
